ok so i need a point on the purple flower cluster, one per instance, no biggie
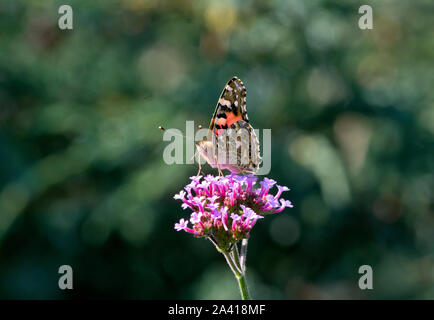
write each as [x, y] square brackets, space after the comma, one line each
[226, 208]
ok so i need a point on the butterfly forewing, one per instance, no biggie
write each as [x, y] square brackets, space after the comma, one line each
[231, 142]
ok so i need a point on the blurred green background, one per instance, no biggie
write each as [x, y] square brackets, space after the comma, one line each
[82, 177]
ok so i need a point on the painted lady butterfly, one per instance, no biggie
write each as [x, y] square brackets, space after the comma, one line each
[231, 142]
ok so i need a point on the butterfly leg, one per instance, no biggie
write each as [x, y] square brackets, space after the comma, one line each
[200, 166]
[218, 168]
[220, 172]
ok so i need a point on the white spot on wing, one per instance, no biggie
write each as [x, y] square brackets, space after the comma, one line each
[238, 86]
[224, 102]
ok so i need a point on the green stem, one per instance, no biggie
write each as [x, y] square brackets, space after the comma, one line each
[236, 265]
[243, 255]
[231, 263]
[241, 278]
[243, 287]
[236, 257]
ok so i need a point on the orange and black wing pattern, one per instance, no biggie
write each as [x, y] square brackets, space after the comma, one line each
[231, 106]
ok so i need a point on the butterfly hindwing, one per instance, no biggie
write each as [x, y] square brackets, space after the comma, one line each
[242, 147]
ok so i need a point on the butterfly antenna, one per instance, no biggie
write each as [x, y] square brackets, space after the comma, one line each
[180, 135]
[175, 134]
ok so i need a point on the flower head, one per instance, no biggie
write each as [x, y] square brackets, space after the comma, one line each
[226, 208]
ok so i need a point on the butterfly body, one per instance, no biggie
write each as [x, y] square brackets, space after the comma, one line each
[231, 142]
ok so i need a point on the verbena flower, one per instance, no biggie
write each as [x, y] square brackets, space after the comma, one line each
[226, 208]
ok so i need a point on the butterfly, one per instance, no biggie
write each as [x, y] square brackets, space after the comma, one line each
[231, 142]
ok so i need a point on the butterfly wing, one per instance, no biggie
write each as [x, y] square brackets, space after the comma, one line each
[243, 148]
[231, 107]
[230, 130]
